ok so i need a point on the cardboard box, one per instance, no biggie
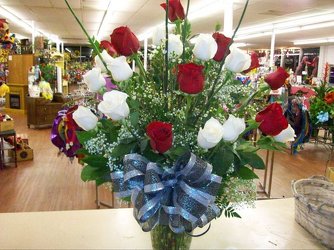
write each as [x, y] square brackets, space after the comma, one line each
[330, 174]
[6, 125]
[25, 154]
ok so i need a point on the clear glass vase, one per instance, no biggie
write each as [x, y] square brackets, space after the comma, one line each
[163, 238]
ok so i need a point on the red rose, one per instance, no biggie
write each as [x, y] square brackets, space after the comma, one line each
[222, 42]
[161, 136]
[276, 79]
[108, 47]
[254, 63]
[175, 10]
[124, 41]
[329, 98]
[272, 120]
[190, 78]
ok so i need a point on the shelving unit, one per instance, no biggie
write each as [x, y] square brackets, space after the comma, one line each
[6, 158]
[331, 74]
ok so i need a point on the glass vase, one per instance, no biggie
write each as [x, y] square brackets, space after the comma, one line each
[163, 238]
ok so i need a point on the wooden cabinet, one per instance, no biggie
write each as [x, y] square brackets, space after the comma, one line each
[41, 112]
[18, 67]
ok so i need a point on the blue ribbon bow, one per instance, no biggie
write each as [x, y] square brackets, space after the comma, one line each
[322, 116]
[182, 196]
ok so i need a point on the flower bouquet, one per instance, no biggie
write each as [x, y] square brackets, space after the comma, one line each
[162, 136]
[322, 108]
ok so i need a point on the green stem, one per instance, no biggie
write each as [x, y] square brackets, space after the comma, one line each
[184, 29]
[140, 66]
[165, 86]
[95, 48]
[213, 92]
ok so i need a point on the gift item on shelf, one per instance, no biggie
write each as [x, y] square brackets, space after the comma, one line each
[6, 123]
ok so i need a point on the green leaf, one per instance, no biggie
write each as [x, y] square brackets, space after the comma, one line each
[152, 156]
[143, 144]
[134, 118]
[251, 125]
[269, 143]
[134, 104]
[122, 149]
[82, 151]
[96, 161]
[90, 173]
[252, 159]
[246, 174]
[222, 161]
[176, 152]
[110, 129]
[84, 136]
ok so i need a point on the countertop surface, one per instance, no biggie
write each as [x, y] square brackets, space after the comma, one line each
[270, 225]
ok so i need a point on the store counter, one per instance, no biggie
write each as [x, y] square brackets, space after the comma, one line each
[270, 225]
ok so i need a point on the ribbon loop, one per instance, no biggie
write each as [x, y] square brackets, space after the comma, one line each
[181, 196]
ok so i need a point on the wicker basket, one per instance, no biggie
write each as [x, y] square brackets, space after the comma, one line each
[314, 204]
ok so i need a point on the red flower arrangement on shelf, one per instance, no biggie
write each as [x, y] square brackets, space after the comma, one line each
[163, 136]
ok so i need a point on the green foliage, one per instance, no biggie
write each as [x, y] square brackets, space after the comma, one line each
[269, 143]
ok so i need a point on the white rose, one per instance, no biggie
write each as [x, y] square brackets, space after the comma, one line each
[106, 58]
[211, 134]
[174, 45]
[159, 35]
[205, 47]
[237, 61]
[85, 118]
[94, 79]
[114, 105]
[233, 127]
[286, 135]
[120, 69]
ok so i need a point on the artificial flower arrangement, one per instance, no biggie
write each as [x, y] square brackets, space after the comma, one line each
[162, 136]
[322, 108]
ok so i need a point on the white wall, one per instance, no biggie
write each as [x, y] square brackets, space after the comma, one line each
[326, 55]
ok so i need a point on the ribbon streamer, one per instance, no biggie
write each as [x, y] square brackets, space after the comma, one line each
[182, 196]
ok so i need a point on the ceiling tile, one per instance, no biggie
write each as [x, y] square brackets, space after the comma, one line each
[36, 3]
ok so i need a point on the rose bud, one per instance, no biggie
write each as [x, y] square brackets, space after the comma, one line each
[329, 98]
[237, 61]
[211, 134]
[205, 47]
[222, 42]
[106, 58]
[175, 10]
[161, 136]
[120, 69]
[272, 120]
[233, 127]
[85, 118]
[94, 79]
[175, 45]
[254, 63]
[114, 105]
[124, 41]
[106, 45]
[190, 78]
[276, 79]
[286, 135]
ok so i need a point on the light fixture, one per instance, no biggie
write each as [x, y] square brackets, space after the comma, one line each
[314, 41]
[68, 50]
[13, 18]
[288, 25]
[103, 21]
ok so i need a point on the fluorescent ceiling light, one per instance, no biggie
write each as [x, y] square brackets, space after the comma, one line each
[314, 41]
[68, 50]
[18, 21]
[287, 25]
[104, 20]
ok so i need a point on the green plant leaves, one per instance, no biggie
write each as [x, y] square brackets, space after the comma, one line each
[246, 174]
[269, 143]
[251, 159]
[122, 149]
[222, 161]
[84, 136]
